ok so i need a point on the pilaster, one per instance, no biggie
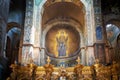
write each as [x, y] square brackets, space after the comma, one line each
[38, 52]
[28, 39]
[90, 31]
[99, 33]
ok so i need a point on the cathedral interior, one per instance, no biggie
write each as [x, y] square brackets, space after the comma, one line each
[59, 40]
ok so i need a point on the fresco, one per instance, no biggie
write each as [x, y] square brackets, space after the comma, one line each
[112, 32]
[99, 33]
[62, 43]
[62, 39]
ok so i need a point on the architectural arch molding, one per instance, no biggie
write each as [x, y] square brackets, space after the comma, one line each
[43, 33]
[51, 24]
[41, 6]
[70, 22]
[114, 21]
[12, 25]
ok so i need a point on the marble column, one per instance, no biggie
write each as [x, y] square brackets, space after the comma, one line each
[90, 30]
[39, 36]
[28, 38]
[30, 47]
[39, 54]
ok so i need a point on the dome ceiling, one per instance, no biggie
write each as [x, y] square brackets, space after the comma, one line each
[63, 10]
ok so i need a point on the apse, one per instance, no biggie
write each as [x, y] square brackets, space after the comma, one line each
[62, 40]
[63, 27]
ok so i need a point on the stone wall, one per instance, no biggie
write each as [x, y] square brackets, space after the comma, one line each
[4, 7]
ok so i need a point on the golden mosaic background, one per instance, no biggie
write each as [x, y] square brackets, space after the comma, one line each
[72, 42]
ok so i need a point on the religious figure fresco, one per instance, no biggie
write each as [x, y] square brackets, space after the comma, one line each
[112, 32]
[99, 33]
[62, 39]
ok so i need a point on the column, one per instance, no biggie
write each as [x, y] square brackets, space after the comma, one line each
[39, 36]
[89, 50]
[39, 55]
[27, 46]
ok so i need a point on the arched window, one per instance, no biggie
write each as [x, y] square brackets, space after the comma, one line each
[12, 44]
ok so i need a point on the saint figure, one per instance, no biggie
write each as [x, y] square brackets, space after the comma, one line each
[99, 33]
[62, 43]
